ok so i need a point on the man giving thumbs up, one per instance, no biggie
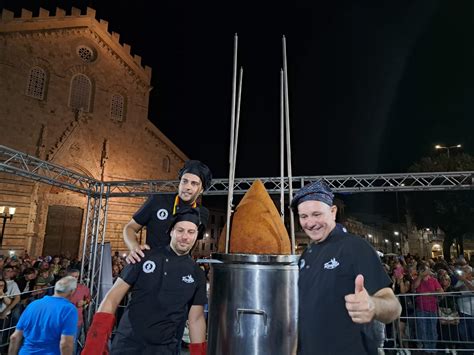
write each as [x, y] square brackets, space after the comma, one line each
[342, 284]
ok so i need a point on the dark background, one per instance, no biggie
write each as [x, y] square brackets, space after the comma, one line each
[373, 85]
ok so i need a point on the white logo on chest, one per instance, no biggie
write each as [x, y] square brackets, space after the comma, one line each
[188, 279]
[331, 264]
[302, 264]
[149, 266]
[162, 214]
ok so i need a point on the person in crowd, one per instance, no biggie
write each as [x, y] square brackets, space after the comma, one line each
[167, 288]
[156, 213]
[401, 286]
[449, 316]
[48, 325]
[4, 301]
[343, 287]
[465, 284]
[26, 283]
[12, 291]
[81, 299]
[426, 307]
[55, 265]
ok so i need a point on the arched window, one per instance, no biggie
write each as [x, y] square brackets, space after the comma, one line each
[117, 108]
[166, 164]
[36, 85]
[80, 94]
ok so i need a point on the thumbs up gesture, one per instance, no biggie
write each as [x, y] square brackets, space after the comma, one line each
[359, 304]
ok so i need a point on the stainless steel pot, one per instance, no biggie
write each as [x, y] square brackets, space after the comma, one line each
[253, 304]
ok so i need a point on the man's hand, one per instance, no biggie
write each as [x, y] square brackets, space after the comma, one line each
[360, 305]
[136, 254]
[3, 315]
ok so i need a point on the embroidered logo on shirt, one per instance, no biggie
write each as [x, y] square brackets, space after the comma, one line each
[331, 264]
[188, 279]
[162, 214]
[302, 264]
[149, 266]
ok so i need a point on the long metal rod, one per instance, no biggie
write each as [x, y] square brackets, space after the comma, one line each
[102, 231]
[94, 239]
[288, 147]
[231, 149]
[282, 149]
[237, 122]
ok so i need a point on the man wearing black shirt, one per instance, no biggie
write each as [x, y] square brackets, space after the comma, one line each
[164, 285]
[195, 177]
[342, 285]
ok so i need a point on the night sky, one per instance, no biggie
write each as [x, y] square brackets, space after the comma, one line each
[374, 85]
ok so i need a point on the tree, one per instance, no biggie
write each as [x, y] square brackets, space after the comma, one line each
[452, 211]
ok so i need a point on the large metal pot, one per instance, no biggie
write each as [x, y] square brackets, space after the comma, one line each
[253, 304]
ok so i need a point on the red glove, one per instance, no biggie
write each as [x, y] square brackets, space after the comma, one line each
[99, 334]
[198, 348]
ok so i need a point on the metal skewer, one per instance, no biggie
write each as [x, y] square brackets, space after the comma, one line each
[288, 147]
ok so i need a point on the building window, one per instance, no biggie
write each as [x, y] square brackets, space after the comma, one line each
[36, 85]
[166, 164]
[80, 95]
[86, 54]
[117, 107]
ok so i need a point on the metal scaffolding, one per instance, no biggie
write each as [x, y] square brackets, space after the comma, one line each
[98, 194]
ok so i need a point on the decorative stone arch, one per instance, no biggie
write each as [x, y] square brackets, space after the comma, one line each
[117, 101]
[166, 164]
[75, 71]
[37, 73]
[36, 83]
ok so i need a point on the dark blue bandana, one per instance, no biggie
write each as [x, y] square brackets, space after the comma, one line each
[316, 191]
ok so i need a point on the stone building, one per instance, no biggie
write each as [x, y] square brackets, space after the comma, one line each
[73, 95]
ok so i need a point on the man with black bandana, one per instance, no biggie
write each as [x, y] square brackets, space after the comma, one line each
[195, 177]
[164, 285]
[342, 285]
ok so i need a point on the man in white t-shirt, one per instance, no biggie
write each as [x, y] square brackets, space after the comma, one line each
[14, 293]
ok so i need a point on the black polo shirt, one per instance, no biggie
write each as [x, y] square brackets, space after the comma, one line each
[327, 274]
[164, 287]
[156, 215]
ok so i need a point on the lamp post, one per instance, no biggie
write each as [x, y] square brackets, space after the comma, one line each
[6, 213]
[437, 146]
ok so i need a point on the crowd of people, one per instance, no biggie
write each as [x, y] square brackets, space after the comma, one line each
[437, 301]
[24, 279]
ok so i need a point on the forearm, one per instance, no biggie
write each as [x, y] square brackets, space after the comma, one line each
[130, 237]
[468, 284]
[12, 304]
[6, 300]
[108, 306]
[387, 308]
[15, 342]
[66, 347]
[197, 330]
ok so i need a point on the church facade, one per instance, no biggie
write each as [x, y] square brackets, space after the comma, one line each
[72, 94]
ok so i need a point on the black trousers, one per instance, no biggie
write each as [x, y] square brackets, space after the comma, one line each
[127, 346]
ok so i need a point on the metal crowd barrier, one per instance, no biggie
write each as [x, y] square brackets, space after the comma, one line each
[432, 323]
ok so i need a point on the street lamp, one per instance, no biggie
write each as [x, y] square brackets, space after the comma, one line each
[437, 146]
[5, 213]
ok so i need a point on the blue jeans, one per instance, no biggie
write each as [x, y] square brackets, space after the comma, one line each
[426, 329]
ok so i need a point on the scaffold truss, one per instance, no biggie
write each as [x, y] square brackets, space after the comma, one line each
[25, 165]
[18, 163]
